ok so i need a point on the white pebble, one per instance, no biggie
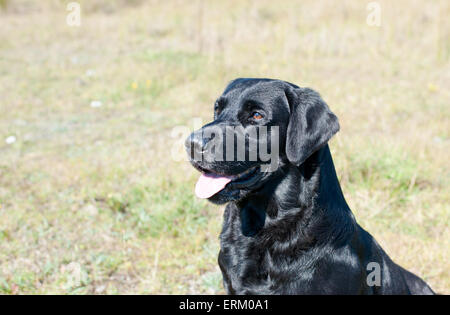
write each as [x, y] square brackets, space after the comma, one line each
[96, 104]
[10, 140]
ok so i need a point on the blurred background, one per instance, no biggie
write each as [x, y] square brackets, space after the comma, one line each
[91, 199]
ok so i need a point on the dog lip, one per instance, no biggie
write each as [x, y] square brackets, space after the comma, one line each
[234, 177]
[202, 169]
[244, 174]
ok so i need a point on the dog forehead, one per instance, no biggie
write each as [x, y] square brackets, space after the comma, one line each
[264, 91]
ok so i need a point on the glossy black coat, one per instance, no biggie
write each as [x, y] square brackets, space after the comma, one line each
[293, 232]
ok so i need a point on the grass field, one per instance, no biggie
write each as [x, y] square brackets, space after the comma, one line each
[91, 199]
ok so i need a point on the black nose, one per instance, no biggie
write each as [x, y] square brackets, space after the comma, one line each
[195, 145]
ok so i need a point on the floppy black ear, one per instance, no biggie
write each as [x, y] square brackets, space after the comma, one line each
[311, 124]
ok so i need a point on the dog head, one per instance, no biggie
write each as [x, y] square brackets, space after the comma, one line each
[259, 125]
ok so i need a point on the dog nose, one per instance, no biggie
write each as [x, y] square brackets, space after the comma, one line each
[195, 144]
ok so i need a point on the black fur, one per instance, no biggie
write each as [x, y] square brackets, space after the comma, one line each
[291, 231]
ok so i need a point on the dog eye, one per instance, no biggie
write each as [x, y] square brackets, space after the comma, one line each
[257, 116]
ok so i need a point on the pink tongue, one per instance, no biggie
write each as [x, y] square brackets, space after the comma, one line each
[209, 184]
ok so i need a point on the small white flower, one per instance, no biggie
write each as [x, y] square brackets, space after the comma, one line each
[96, 104]
[10, 139]
[90, 73]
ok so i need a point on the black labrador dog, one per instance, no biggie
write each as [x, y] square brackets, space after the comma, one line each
[287, 230]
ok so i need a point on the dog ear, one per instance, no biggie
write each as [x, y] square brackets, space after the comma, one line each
[311, 124]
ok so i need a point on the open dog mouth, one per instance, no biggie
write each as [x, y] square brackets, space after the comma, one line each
[211, 183]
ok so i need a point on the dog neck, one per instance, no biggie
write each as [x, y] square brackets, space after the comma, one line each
[306, 199]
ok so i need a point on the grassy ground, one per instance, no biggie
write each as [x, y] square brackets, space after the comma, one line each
[91, 200]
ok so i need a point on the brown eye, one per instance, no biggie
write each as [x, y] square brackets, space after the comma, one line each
[257, 116]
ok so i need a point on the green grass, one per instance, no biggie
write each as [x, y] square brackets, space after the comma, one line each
[91, 200]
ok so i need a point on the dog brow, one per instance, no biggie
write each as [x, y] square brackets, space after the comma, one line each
[221, 103]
